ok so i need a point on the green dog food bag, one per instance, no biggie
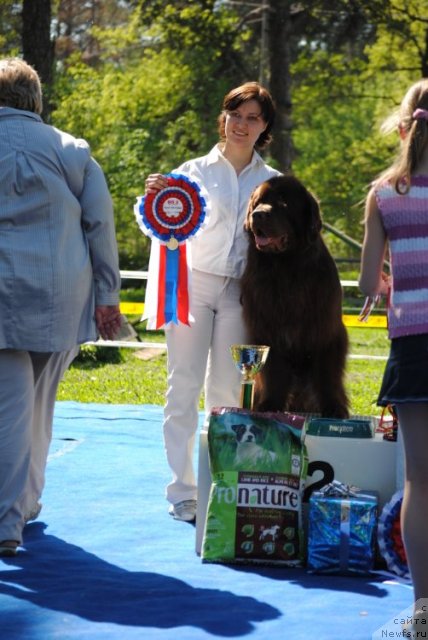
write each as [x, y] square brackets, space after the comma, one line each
[258, 465]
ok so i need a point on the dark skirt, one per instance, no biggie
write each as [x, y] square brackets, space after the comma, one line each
[405, 378]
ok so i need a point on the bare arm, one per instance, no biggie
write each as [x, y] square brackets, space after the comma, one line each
[372, 280]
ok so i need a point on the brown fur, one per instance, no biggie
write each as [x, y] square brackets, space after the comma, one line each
[292, 301]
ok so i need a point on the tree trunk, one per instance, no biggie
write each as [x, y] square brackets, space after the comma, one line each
[280, 51]
[37, 45]
[424, 57]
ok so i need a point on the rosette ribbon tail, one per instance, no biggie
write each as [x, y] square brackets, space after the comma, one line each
[173, 289]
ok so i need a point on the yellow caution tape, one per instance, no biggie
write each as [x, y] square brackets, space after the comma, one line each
[374, 321]
[132, 308]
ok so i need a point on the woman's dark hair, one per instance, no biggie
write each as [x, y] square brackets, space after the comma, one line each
[244, 93]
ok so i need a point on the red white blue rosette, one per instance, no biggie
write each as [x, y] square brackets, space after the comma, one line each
[170, 217]
[174, 214]
[390, 541]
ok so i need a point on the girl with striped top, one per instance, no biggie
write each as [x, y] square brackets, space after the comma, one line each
[396, 220]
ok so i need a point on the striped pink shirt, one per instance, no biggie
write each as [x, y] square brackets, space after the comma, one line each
[405, 219]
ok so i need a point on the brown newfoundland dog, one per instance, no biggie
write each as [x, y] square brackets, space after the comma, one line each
[292, 301]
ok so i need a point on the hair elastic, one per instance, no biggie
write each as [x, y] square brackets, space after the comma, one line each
[420, 114]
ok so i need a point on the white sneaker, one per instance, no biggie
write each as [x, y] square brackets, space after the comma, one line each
[184, 510]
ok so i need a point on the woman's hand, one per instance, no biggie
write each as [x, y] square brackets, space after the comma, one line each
[108, 320]
[155, 182]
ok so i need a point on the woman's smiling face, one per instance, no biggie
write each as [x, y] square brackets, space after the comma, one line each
[244, 124]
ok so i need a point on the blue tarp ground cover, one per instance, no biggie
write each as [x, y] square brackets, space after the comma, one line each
[105, 561]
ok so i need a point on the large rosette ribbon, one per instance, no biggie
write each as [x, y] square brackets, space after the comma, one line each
[390, 542]
[170, 217]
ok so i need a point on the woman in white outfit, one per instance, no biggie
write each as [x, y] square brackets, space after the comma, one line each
[201, 352]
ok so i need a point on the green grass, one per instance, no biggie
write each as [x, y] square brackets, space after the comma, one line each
[118, 376]
[130, 381]
[364, 376]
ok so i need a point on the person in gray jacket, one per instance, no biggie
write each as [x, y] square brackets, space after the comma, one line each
[59, 283]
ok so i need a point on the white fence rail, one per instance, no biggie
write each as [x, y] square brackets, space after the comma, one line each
[136, 344]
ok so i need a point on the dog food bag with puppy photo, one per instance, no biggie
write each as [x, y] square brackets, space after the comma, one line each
[258, 465]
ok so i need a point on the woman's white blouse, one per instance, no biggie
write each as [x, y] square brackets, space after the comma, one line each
[221, 247]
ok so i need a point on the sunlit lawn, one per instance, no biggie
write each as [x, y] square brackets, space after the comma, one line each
[108, 375]
[364, 376]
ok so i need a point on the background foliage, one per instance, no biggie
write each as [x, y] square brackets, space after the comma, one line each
[143, 80]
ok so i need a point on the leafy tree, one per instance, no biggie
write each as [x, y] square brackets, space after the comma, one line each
[75, 20]
[339, 101]
[10, 27]
[402, 36]
[151, 101]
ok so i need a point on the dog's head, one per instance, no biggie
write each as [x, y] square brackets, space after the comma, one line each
[246, 432]
[282, 215]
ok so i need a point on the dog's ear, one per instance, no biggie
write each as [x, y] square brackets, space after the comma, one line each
[250, 208]
[315, 225]
[237, 428]
[254, 200]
